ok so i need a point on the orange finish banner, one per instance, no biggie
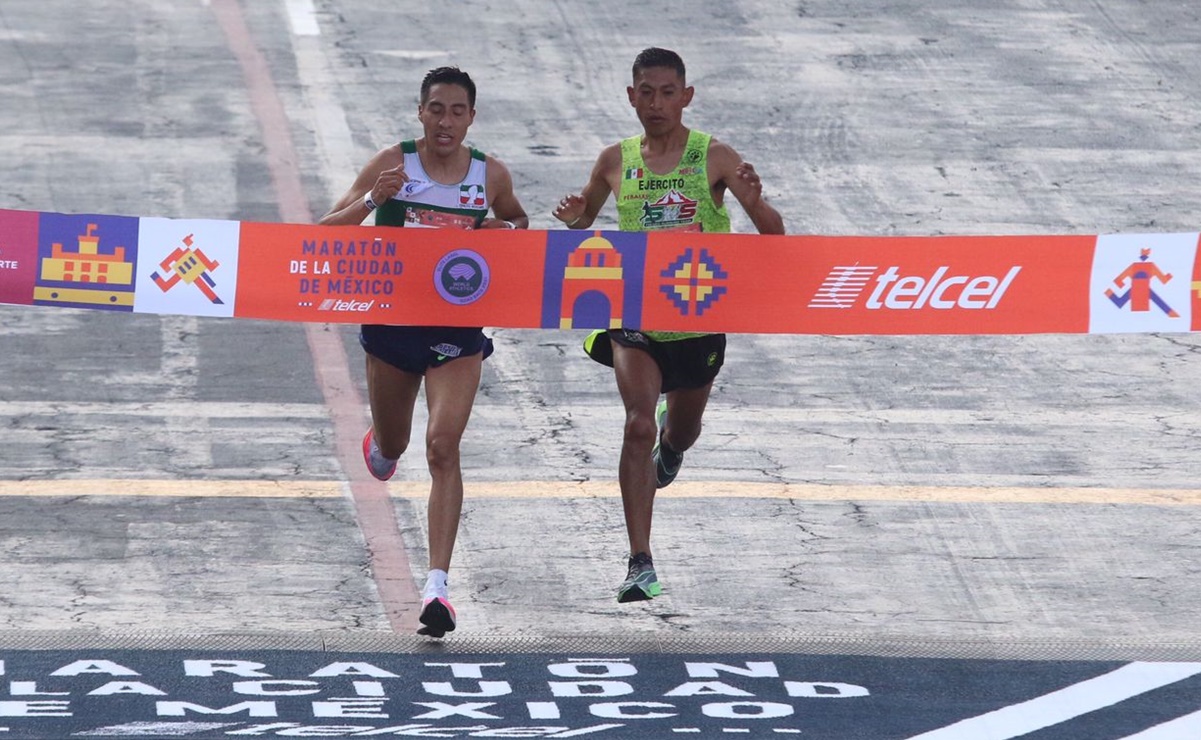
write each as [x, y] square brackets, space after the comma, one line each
[673, 281]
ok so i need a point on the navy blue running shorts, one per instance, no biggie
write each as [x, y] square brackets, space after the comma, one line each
[685, 363]
[415, 349]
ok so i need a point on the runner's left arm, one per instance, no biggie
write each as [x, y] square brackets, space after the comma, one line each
[743, 182]
[506, 208]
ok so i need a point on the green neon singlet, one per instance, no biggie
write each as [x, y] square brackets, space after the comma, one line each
[679, 200]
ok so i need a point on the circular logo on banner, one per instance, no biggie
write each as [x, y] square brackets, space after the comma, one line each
[461, 277]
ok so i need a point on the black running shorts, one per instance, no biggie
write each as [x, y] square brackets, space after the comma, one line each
[416, 349]
[685, 363]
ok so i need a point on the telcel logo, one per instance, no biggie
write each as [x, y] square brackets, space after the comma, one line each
[334, 304]
[939, 291]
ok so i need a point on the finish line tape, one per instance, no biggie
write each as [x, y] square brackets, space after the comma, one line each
[673, 281]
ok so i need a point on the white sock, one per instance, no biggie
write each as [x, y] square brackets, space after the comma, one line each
[436, 586]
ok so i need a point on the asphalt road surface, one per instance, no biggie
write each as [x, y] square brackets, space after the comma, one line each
[191, 476]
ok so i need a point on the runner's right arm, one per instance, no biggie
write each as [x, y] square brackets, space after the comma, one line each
[580, 211]
[382, 177]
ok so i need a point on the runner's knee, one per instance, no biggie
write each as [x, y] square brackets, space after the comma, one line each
[442, 453]
[641, 430]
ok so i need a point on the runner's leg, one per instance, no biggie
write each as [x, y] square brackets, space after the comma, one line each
[638, 382]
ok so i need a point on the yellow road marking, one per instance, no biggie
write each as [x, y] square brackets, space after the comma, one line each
[608, 489]
[180, 488]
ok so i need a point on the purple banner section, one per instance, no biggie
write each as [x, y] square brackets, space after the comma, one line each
[86, 261]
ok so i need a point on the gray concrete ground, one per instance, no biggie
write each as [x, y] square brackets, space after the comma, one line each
[881, 118]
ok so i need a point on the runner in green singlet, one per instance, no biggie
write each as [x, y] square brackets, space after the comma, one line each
[668, 177]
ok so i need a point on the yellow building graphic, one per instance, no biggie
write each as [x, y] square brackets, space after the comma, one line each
[90, 269]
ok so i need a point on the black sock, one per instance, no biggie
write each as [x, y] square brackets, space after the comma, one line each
[665, 450]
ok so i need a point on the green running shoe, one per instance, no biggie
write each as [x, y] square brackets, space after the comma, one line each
[667, 464]
[641, 583]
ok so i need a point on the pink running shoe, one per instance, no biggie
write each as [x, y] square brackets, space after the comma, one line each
[381, 468]
[438, 616]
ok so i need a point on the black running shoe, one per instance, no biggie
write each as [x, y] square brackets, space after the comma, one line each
[667, 462]
[641, 583]
[438, 616]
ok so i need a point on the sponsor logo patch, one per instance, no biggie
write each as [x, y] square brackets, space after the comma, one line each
[340, 305]
[673, 209]
[445, 350]
[893, 290]
[461, 277]
[472, 196]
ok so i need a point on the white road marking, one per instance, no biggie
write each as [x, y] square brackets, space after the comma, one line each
[160, 729]
[302, 17]
[1188, 726]
[1068, 703]
[414, 55]
[339, 157]
[187, 435]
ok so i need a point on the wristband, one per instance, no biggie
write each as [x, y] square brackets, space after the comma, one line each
[368, 202]
[575, 221]
[510, 225]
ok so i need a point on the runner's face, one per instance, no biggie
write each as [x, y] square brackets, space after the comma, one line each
[659, 96]
[445, 117]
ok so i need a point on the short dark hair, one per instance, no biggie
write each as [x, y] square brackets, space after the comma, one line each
[448, 76]
[656, 57]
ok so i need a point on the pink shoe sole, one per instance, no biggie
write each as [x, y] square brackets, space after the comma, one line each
[367, 438]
